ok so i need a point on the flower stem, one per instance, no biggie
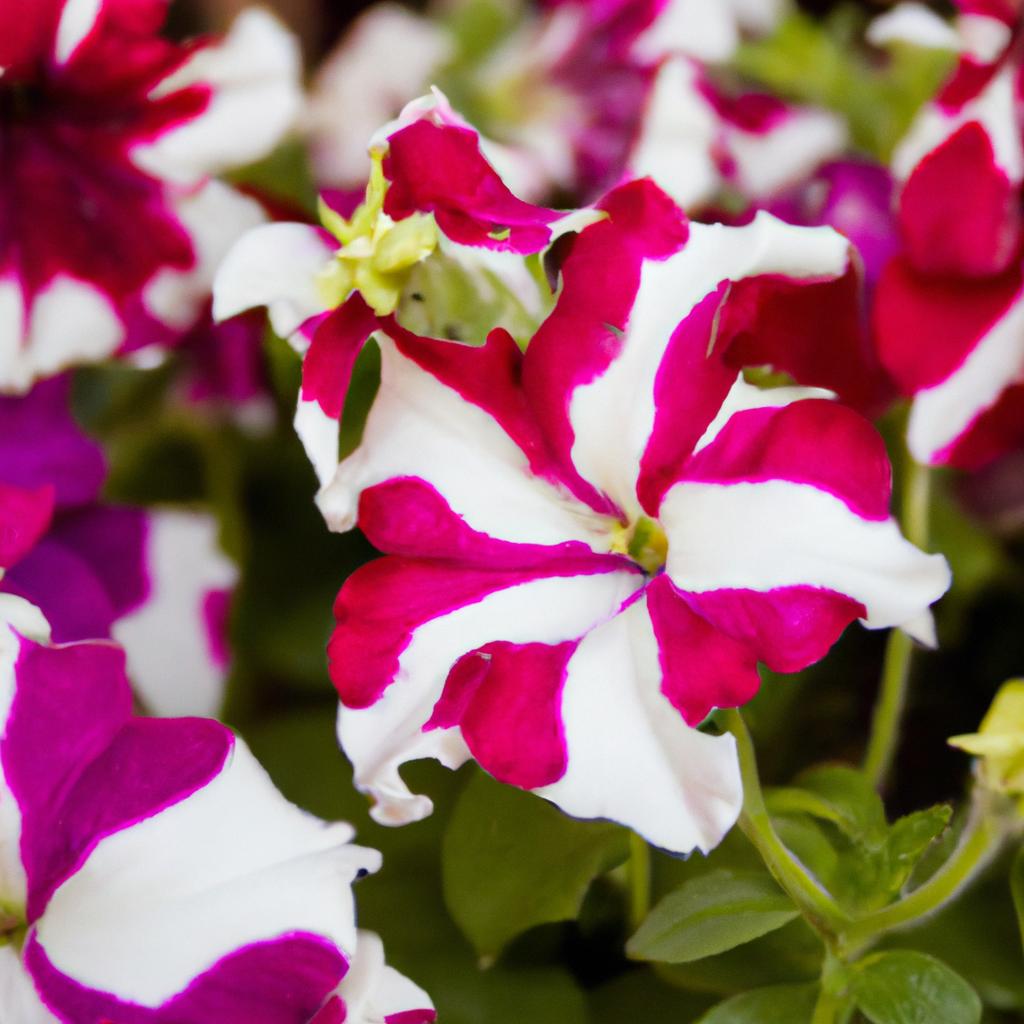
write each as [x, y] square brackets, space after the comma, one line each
[822, 912]
[639, 880]
[828, 1009]
[979, 843]
[892, 695]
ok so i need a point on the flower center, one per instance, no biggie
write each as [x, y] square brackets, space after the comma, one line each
[12, 925]
[377, 254]
[644, 541]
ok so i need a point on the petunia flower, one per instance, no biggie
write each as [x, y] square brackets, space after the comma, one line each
[154, 580]
[949, 313]
[431, 189]
[110, 223]
[149, 870]
[592, 545]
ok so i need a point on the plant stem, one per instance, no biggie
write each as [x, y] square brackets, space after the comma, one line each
[818, 907]
[979, 843]
[639, 880]
[892, 695]
[828, 1008]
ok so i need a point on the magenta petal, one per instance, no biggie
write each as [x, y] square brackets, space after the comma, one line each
[788, 628]
[408, 516]
[336, 342]
[814, 442]
[282, 981]
[102, 771]
[701, 667]
[926, 327]
[40, 443]
[24, 517]
[507, 698]
[688, 392]
[439, 169]
[87, 572]
[981, 234]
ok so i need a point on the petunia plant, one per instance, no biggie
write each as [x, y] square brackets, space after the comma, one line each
[577, 442]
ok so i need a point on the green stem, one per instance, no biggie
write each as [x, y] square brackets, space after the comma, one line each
[892, 694]
[639, 871]
[822, 912]
[979, 843]
[828, 1009]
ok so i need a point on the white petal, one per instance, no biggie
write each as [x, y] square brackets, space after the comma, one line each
[215, 217]
[419, 427]
[21, 1004]
[916, 24]
[372, 991]
[70, 322]
[940, 414]
[13, 883]
[274, 266]
[387, 58]
[760, 536]
[766, 162]
[254, 75]
[613, 416]
[677, 136]
[76, 21]
[632, 758]
[158, 903]
[707, 31]
[166, 639]
[381, 738]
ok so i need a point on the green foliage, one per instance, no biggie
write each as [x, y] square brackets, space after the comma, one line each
[555, 859]
[834, 821]
[710, 914]
[905, 987]
[792, 1004]
[825, 63]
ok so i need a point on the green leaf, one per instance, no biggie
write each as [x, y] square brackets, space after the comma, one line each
[710, 914]
[904, 987]
[840, 795]
[1017, 887]
[792, 1004]
[908, 839]
[512, 861]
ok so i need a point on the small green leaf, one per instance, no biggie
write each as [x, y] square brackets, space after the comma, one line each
[908, 839]
[1017, 886]
[710, 914]
[791, 1004]
[903, 987]
[838, 794]
[512, 861]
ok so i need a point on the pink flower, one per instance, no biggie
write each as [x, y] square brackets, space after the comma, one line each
[154, 580]
[149, 870]
[949, 313]
[592, 545]
[111, 225]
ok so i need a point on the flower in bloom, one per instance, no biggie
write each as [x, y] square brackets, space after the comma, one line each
[149, 870]
[592, 545]
[110, 224]
[154, 580]
[950, 307]
[431, 187]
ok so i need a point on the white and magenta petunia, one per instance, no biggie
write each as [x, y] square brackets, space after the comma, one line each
[949, 314]
[592, 545]
[154, 580]
[149, 870]
[110, 224]
[432, 187]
